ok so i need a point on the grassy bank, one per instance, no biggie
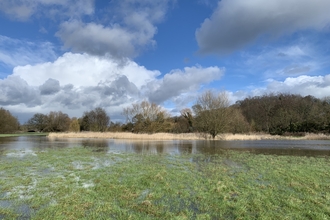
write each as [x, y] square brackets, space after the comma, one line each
[184, 136]
[24, 134]
[81, 183]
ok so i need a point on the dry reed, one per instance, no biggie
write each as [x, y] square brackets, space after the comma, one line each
[185, 136]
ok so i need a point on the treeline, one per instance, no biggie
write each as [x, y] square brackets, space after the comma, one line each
[211, 115]
[286, 113]
[94, 120]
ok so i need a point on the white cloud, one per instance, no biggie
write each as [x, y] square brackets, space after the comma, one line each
[122, 29]
[14, 90]
[83, 70]
[126, 35]
[178, 82]
[75, 83]
[97, 40]
[236, 23]
[317, 86]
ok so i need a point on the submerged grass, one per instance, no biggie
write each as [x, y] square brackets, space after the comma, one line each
[79, 183]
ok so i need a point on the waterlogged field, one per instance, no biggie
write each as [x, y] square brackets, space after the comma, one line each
[82, 183]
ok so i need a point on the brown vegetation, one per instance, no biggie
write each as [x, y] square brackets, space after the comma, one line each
[184, 136]
[146, 117]
[8, 123]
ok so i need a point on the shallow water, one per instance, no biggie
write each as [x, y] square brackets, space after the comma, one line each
[29, 144]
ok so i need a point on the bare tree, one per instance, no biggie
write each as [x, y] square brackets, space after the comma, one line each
[146, 117]
[57, 122]
[211, 110]
[145, 110]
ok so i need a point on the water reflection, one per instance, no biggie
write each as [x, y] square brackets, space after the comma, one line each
[278, 147]
[152, 147]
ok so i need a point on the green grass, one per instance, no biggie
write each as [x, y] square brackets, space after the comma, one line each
[78, 183]
[24, 134]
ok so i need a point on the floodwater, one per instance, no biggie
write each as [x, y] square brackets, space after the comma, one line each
[278, 147]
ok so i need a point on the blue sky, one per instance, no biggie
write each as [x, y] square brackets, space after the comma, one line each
[73, 56]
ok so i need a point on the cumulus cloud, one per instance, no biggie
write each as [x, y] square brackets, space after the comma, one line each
[130, 32]
[24, 9]
[236, 23]
[317, 86]
[75, 83]
[51, 86]
[83, 70]
[97, 39]
[122, 29]
[14, 90]
[177, 82]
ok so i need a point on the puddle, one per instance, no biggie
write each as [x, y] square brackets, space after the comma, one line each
[20, 154]
[144, 195]
[23, 210]
[5, 204]
[232, 164]
[88, 184]
[77, 165]
[46, 171]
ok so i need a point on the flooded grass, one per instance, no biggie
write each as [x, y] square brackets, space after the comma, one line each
[79, 183]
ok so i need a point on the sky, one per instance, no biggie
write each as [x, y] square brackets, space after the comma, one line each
[73, 56]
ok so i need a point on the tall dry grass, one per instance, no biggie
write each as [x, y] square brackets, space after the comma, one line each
[127, 135]
[185, 136]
